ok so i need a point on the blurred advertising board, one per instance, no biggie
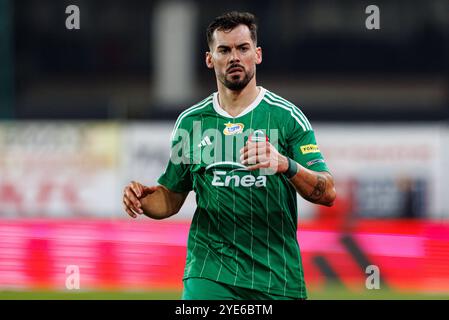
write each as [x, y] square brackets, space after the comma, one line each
[38, 254]
[68, 169]
[144, 155]
[388, 170]
[58, 169]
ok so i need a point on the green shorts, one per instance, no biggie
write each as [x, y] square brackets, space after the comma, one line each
[205, 289]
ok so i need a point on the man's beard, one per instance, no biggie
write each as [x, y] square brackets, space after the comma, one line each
[236, 85]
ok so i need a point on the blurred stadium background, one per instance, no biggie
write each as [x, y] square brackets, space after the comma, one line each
[85, 111]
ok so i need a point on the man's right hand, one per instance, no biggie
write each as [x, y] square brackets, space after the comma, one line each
[132, 194]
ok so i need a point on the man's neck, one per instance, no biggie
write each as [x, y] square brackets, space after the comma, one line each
[234, 102]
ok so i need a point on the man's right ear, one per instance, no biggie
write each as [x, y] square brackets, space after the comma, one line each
[209, 62]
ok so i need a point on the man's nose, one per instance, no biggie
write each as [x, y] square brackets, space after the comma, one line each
[235, 56]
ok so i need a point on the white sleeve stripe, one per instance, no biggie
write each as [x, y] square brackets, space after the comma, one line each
[288, 109]
[187, 112]
[292, 110]
[298, 111]
[295, 108]
[196, 105]
[192, 107]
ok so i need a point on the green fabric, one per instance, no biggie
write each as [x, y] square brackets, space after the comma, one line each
[243, 231]
[205, 289]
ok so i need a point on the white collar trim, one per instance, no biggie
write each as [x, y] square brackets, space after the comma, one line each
[247, 110]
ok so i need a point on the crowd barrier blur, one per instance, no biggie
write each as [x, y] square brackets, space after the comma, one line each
[35, 254]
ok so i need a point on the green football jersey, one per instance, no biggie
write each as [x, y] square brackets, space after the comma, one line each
[243, 231]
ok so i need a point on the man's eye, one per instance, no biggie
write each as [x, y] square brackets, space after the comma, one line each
[223, 50]
[244, 49]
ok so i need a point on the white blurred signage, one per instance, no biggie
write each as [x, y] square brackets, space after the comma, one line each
[58, 169]
[387, 163]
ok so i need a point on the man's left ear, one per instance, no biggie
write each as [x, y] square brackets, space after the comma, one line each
[258, 55]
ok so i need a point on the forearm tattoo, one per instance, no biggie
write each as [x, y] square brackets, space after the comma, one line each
[319, 190]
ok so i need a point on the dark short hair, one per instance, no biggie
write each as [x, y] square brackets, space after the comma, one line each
[230, 21]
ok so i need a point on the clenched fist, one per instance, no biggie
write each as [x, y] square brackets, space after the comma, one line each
[263, 155]
[132, 194]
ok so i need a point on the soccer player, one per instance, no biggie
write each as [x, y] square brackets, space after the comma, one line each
[246, 152]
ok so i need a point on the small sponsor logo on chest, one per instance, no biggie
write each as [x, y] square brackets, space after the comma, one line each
[233, 128]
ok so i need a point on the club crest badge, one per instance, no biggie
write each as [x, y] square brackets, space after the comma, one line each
[233, 128]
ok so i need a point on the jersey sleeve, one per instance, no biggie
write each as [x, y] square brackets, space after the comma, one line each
[303, 148]
[177, 175]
